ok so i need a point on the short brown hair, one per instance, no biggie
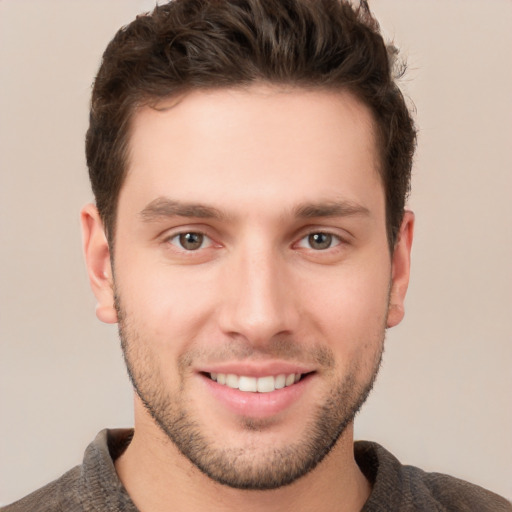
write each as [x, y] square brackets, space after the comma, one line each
[199, 44]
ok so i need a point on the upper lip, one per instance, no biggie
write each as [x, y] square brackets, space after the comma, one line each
[253, 369]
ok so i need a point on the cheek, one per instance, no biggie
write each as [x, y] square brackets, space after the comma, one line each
[163, 320]
[350, 308]
[168, 306]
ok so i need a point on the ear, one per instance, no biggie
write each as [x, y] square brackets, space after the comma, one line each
[97, 259]
[400, 269]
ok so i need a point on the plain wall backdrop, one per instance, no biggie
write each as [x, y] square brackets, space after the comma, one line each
[443, 398]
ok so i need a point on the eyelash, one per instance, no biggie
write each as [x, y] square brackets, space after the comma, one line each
[178, 241]
[334, 240]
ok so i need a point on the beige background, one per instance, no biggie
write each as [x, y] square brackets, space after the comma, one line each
[443, 399]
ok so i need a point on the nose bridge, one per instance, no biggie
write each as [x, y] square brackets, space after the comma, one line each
[259, 300]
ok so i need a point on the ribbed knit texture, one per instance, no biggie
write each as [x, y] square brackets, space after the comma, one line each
[94, 486]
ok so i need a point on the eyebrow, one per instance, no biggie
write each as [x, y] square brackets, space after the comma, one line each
[164, 207]
[330, 209]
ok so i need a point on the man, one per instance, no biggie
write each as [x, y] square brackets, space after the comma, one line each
[250, 163]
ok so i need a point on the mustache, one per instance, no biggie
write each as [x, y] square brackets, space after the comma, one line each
[281, 348]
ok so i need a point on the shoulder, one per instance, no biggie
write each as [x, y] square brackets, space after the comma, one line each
[59, 495]
[398, 487]
[92, 486]
[451, 493]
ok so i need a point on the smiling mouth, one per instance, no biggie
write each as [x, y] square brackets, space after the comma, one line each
[265, 384]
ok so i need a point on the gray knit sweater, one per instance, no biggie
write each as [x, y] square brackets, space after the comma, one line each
[94, 486]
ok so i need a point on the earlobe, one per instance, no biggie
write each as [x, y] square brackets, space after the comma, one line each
[97, 258]
[401, 264]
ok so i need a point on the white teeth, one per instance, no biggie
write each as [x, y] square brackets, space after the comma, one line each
[247, 384]
[280, 381]
[232, 381]
[265, 384]
[290, 379]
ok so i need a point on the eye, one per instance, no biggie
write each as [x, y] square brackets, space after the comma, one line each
[191, 241]
[319, 241]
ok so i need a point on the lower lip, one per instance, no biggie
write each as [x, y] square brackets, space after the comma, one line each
[257, 405]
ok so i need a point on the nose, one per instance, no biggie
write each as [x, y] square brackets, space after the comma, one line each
[259, 303]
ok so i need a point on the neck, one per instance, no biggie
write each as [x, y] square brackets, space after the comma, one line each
[159, 478]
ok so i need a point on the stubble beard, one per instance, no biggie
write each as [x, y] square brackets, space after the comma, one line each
[275, 466]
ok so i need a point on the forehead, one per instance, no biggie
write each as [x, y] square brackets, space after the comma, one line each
[260, 143]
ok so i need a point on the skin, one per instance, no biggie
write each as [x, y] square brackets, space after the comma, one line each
[274, 166]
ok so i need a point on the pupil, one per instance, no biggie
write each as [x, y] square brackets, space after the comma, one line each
[191, 241]
[320, 240]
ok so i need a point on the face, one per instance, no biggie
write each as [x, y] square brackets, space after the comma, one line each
[253, 280]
